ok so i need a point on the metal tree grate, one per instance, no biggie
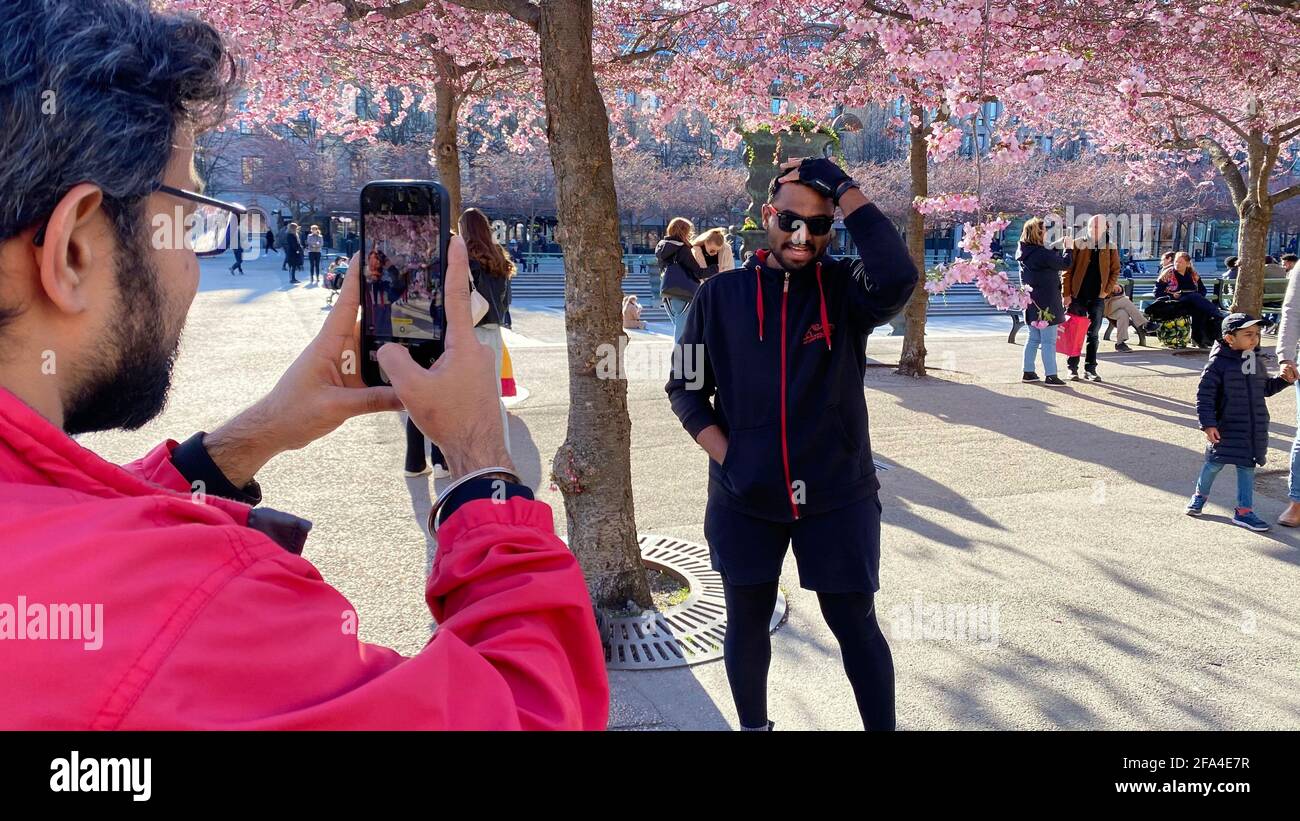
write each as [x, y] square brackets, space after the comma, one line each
[686, 633]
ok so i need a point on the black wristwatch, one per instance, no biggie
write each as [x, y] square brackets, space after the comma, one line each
[842, 189]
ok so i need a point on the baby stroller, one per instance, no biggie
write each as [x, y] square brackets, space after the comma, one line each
[335, 273]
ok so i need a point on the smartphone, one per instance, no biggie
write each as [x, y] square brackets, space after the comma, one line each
[405, 228]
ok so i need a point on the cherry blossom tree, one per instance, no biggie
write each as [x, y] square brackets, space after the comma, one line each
[1169, 84]
[299, 51]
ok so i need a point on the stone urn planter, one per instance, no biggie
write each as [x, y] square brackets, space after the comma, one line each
[767, 151]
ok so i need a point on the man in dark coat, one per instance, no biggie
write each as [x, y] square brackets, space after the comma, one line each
[1232, 412]
[768, 380]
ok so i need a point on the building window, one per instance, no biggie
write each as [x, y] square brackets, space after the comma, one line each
[244, 127]
[250, 169]
[304, 167]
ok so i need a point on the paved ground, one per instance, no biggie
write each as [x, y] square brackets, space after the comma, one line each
[1055, 514]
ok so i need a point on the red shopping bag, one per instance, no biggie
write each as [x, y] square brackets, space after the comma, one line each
[1069, 339]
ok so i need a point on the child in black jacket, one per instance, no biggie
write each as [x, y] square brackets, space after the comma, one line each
[1232, 412]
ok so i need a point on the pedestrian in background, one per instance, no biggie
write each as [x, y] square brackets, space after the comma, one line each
[1040, 269]
[676, 262]
[315, 243]
[293, 251]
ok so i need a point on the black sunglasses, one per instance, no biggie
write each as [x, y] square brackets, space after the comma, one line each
[817, 226]
[38, 239]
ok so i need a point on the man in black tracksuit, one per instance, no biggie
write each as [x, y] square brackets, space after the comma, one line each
[779, 346]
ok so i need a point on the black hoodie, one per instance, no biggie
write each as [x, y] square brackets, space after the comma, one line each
[788, 396]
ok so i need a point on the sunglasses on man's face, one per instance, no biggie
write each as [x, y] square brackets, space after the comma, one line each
[817, 226]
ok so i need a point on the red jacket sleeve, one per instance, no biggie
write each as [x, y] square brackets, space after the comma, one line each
[156, 468]
[516, 645]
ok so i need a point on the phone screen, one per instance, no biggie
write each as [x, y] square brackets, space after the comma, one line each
[404, 236]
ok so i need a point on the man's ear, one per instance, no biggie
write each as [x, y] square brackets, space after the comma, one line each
[68, 253]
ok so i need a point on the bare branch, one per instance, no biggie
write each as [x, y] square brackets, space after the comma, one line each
[1202, 107]
[1285, 194]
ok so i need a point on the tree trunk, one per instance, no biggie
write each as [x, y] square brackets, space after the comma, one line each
[446, 152]
[911, 362]
[1252, 245]
[593, 466]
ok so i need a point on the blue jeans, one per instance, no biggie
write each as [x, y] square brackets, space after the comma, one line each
[1245, 483]
[1295, 455]
[677, 310]
[1046, 338]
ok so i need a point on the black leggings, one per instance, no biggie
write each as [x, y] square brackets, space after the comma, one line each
[851, 617]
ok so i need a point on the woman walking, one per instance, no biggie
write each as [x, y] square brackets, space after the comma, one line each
[315, 243]
[1040, 269]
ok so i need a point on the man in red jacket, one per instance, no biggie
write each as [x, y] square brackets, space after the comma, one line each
[156, 594]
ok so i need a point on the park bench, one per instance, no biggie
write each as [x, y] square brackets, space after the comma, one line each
[1274, 294]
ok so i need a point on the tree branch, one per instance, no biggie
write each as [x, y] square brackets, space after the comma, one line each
[1285, 194]
[1220, 157]
[1202, 107]
[522, 10]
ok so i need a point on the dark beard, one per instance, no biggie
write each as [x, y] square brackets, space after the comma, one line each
[810, 265]
[131, 376]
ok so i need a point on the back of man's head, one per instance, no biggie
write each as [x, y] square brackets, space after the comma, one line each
[94, 91]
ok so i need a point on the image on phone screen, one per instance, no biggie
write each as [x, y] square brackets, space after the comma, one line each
[403, 278]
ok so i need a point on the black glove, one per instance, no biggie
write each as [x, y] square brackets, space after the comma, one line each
[825, 177]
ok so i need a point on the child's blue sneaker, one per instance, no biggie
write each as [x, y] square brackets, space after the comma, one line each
[1196, 505]
[1249, 520]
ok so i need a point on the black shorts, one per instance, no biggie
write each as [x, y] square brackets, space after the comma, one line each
[837, 551]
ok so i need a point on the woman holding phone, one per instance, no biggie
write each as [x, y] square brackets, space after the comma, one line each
[675, 251]
[711, 252]
[1040, 269]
